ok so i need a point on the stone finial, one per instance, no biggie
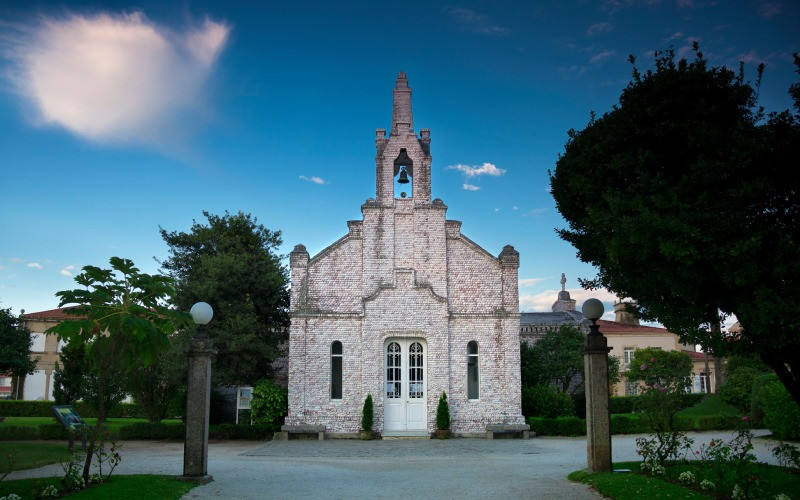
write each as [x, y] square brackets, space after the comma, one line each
[624, 313]
[402, 121]
[563, 283]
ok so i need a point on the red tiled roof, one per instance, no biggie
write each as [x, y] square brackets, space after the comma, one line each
[616, 327]
[698, 355]
[52, 314]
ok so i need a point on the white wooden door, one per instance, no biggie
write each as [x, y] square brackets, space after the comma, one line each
[406, 391]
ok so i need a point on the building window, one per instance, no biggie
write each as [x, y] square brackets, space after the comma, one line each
[473, 377]
[627, 356]
[37, 342]
[336, 370]
[700, 384]
[631, 388]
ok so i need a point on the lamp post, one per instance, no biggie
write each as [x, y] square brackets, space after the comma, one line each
[598, 419]
[198, 397]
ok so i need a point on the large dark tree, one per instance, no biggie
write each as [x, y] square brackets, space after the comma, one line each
[685, 197]
[232, 264]
[15, 346]
[556, 359]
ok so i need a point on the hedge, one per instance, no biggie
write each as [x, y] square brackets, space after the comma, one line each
[152, 430]
[253, 432]
[627, 404]
[627, 424]
[19, 408]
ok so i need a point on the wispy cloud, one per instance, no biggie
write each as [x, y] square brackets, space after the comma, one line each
[525, 282]
[475, 171]
[598, 28]
[2, 268]
[66, 271]
[314, 179]
[686, 3]
[601, 56]
[474, 22]
[769, 9]
[536, 212]
[544, 301]
[35, 265]
[470, 187]
[116, 78]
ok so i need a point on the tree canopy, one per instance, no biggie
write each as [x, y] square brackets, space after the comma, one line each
[680, 197]
[232, 263]
[122, 319]
[557, 359]
[15, 346]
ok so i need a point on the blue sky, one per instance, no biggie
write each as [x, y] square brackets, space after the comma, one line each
[117, 118]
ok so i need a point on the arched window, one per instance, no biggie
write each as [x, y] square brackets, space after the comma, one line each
[473, 377]
[336, 370]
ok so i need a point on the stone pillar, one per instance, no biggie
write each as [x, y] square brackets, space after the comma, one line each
[198, 402]
[598, 419]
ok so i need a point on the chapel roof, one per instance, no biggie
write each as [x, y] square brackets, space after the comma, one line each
[51, 314]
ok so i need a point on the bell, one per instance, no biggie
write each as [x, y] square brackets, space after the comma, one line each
[403, 177]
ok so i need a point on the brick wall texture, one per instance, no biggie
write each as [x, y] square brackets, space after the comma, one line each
[401, 272]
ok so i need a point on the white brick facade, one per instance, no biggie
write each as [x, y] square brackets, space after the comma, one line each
[404, 272]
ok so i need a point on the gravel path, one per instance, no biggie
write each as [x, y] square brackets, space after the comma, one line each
[456, 468]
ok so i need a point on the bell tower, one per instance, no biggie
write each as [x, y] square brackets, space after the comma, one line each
[402, 157]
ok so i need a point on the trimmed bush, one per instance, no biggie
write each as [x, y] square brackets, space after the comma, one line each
[251, 432]
[629, 424]
[18, 433]
[561, 426]
[18, 408]
[368, 414]
[738, 388]
[546, 401]
[442, 413]
[55, 431]
[621, 404]
[758, 397]
[781, 413]
[152, 430]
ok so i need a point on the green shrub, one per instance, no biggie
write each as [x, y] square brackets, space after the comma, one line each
[691, 399]
[738, 388]
[443, 413]
[629, 424]
[621, 404]
[251, 432]
[561, 426]
[367, 414]
[546, 401]
[758, 396]
[717, 422]
[17, 408]
[152, 430]
[543, 426]
[270, 403]
[781, 413]
[18, 433]
[55, 431]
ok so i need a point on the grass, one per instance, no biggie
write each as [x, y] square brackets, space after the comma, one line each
[771, 481]
[117, 487]
[714, 405]
[28, 455]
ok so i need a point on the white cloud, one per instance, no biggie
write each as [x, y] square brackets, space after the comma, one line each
[769, 9]
[536, 212]
[601, 57]
[515, 207]
[543, 301]
[314, 179]
[475, 171]
[66, 271]
[2, 268]
[16, 260]
[598, 28]
[496, 209]
[35, 265]
[530, 281]
[117, 78]
[472, 21]
[470, 187]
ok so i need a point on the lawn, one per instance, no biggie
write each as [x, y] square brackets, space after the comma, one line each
[28, 455]
[113, 423]
[768, 481]
[117, 487]
[714, 405]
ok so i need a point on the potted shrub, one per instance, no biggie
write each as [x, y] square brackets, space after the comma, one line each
[443, 418]
[367, 418]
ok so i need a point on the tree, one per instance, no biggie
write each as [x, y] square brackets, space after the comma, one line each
[68, 377]
[679, 197]
[121, 319]
[557, 359]
[232, 264]
[155, 386]
[15, 346]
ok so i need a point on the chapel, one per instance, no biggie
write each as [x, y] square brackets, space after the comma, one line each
[404, 307]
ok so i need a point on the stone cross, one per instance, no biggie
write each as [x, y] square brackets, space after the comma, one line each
[563, 283]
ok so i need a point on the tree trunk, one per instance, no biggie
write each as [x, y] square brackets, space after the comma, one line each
[101, 416]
